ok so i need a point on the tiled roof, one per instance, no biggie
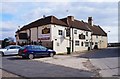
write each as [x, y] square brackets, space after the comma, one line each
[44, 21]
[76, 24]
[97, 30]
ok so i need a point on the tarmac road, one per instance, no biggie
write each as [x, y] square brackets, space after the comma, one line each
[29, 68]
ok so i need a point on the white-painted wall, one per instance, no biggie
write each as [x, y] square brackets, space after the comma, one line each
[59, 41]
[101, 40]
[76, 37]
[34, 34]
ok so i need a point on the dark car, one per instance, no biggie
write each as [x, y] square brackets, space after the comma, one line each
[31, 51]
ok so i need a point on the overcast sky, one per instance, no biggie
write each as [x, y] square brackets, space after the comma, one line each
[14, 13]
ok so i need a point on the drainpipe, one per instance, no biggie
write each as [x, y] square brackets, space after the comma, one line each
[37, 34]
[91, 42]
[72, 41]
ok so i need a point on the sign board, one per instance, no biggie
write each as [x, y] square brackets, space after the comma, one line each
[45, 34]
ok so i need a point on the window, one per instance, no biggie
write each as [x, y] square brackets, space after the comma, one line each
[86, 44]
[67, 32]
[59, 32]
[96, 36]
[76, 43]
[81, 43]
[75, 31]
[96, 43]
[86, 33]
[13, 47]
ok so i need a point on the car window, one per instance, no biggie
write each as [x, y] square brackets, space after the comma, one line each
[13, 47]
[42, 48]
[17, 47]
[7, 47]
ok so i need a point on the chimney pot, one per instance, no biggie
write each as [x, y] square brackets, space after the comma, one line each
[90, 20]
[71, 18]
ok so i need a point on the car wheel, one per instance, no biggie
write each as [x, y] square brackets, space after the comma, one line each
[1, 54]
[23, 57]
[31, 56]
[51, 54]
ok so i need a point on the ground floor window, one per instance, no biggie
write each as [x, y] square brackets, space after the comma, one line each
[76, 43]
[86, 44]
[81, 43]
[96, 43]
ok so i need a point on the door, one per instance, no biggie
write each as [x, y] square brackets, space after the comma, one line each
[11, 50]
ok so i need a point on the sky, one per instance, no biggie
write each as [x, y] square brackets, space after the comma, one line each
[14, 13]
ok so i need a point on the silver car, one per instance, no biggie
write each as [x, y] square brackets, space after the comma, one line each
[10, 50]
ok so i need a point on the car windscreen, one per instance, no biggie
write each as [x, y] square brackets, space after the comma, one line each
[7, 47]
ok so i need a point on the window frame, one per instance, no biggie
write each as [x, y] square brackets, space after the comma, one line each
[86, 44]
[60, 32]
[77, 43]
[86, 33]
[82, 44]
[75, 31]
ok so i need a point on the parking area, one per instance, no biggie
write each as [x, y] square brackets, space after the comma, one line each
[64, 60]
[35, 68]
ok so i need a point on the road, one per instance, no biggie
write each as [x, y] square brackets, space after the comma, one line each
[29, 68]
[106, 61]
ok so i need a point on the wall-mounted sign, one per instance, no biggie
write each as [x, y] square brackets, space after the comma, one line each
[81, 36]
[46, 30]
[45, 34]
[44, 37]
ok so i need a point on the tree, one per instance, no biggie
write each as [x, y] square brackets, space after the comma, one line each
[5, 42]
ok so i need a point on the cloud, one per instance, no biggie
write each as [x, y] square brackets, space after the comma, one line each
[60, 0]
[104, 14]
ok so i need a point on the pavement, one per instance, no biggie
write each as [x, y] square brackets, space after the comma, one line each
[106, 61]
[7, 74]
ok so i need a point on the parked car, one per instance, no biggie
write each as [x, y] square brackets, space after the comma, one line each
[10, 50]
[32, 51]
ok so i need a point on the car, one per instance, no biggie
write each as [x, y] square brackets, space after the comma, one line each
[10, 50]
[32, 51]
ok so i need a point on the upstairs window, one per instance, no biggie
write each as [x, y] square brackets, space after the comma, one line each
[75, 31]
[86, 33]
[96, 36]
[67, 32]
[60, 32]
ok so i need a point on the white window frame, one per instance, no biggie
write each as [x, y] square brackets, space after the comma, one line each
[60, 32]
[75, 31]
[86, 44]
[86, 33]
[77, 43]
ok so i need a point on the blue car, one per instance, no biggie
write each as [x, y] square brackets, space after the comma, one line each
[32, 51]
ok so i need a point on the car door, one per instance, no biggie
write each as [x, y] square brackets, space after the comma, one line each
[11, 50]
[43, 50]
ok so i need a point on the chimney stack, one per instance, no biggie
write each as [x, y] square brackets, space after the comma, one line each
[90, 20]
[71, 18]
